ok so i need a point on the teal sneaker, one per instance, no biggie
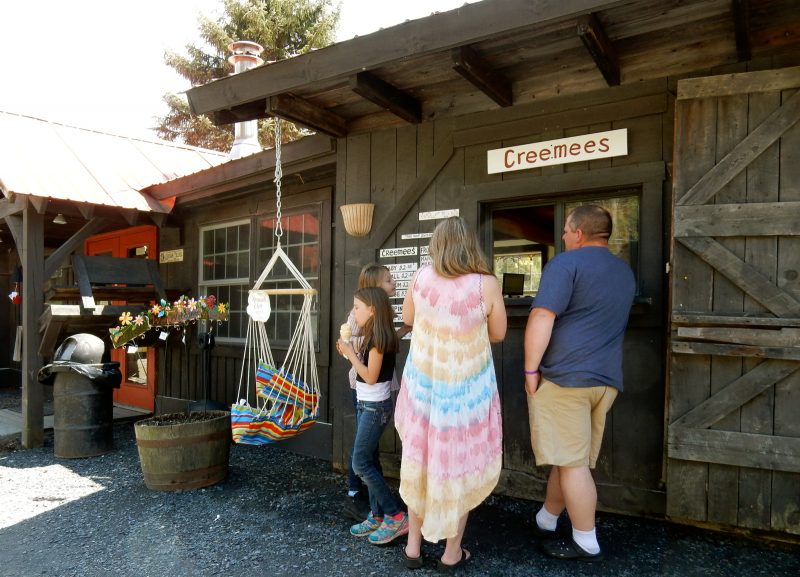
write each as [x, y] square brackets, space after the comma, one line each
[389, 530]
[366, 527]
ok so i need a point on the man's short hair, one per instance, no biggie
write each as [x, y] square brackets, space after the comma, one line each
[593, 220]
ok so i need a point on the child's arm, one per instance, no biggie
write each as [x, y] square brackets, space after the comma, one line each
[368, 373]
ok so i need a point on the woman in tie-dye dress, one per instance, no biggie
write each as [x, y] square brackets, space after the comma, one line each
[448, 411]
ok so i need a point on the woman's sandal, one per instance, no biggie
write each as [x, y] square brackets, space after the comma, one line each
[447, 569]
[412, 562]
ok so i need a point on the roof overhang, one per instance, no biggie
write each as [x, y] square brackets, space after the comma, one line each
[496, 53]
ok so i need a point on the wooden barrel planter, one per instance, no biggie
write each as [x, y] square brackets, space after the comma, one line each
[184, 450]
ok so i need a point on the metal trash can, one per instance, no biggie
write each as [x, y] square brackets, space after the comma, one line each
[83, 403]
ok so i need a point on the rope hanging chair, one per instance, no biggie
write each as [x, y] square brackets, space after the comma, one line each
[286, 399]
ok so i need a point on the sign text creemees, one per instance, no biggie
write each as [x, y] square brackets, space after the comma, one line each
[561, 151]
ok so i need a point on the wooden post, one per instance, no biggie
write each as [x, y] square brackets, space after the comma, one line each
[32, 258]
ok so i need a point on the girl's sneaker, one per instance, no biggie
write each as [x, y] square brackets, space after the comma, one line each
[366, 527]
[389, 530]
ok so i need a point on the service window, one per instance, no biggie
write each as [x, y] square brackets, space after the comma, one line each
[525, 235]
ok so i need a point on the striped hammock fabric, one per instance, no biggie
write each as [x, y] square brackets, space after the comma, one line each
[252, 426]
[278, 387]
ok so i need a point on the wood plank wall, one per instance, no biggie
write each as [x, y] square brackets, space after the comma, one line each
[379, 167]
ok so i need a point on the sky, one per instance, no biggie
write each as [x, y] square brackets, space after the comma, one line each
[99, 64]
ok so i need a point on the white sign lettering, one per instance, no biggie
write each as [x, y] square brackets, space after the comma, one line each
[437, 214]
[398, 309]
[560, 151]
[399, 294]
[393, 252]
[402, 284]
[416, 235]
[423, 250]
[424, 260]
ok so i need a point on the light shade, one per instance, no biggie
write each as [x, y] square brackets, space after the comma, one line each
[59, 219]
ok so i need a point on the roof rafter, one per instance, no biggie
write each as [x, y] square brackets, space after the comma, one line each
[303, 112]
[480, 74]
[388, 97]
[600, 47]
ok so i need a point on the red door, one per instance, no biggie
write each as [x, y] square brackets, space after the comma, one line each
[137, 364]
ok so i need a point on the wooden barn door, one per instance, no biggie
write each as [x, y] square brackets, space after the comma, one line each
[733, 449]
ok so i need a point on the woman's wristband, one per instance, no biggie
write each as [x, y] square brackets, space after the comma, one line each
[536, 372]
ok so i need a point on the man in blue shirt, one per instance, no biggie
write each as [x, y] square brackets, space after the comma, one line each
[573, 372]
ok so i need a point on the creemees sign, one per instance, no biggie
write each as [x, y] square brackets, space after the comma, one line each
[561, 151]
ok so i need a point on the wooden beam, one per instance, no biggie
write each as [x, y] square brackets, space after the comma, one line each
[737, 393]
[87, 210]
[385, 228]
[749, 351]
[247, 111]
[303, 112]
[39, 203]
[739, 83]
[158, 218]
[130, 215]
[14, 223]
[466, 25]
[733, 448]
[32, 259]
[481, 75]
[755, 321]
[741, 25]
[750, 148]
[600, 47]
[60, 255]
[783, 337]
[746, 219]
[14, 204]
[386, 96]
[744, 275]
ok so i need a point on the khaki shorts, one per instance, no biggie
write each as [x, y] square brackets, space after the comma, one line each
[567, 423]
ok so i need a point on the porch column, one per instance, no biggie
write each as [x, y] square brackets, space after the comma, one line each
[32, 258]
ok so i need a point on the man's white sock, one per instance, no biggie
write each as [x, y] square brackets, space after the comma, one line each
[586, 540]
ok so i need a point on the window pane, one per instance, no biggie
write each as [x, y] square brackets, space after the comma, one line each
[225, 272]
[300, 242]
[624, 241]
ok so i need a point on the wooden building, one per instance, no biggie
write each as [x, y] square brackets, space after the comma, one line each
[680, 117]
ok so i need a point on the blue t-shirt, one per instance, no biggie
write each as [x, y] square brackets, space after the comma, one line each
[591, 292]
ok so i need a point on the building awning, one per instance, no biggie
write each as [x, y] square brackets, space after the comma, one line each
[498, 54]
[55, 161]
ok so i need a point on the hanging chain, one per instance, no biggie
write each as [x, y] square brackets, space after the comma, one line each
[278, 176]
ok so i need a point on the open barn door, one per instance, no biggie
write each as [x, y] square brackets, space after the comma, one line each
[733, 451]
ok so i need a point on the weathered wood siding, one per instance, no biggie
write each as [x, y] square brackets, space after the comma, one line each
[734, 437]
[180, 365]
[442, 165]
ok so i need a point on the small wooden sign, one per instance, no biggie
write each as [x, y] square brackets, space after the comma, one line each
[170, 256]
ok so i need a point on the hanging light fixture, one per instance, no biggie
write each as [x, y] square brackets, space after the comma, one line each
[59, 219]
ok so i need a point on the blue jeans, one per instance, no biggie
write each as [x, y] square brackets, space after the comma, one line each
[354, 481]
[372, 418]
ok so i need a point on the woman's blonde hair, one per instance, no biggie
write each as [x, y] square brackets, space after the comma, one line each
[454, 250]
[372, 275]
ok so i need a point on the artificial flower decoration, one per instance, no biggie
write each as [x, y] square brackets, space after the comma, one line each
[183, 311]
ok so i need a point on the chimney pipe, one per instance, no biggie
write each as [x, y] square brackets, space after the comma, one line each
[245, 56]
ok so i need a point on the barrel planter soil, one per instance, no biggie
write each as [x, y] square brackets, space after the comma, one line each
[184, 450]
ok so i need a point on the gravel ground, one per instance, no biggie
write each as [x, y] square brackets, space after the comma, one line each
[279, 514]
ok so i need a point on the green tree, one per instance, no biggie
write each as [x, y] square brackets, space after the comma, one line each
[285, 28]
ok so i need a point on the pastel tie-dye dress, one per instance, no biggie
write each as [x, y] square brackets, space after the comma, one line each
[448, 411]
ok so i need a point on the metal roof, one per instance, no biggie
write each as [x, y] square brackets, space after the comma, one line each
[56, 161]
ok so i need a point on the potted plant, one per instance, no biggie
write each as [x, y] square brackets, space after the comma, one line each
[179, 450]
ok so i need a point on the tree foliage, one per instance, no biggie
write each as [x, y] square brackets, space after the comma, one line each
[285, 28]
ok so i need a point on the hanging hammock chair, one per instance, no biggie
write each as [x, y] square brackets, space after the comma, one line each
[285, 398]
